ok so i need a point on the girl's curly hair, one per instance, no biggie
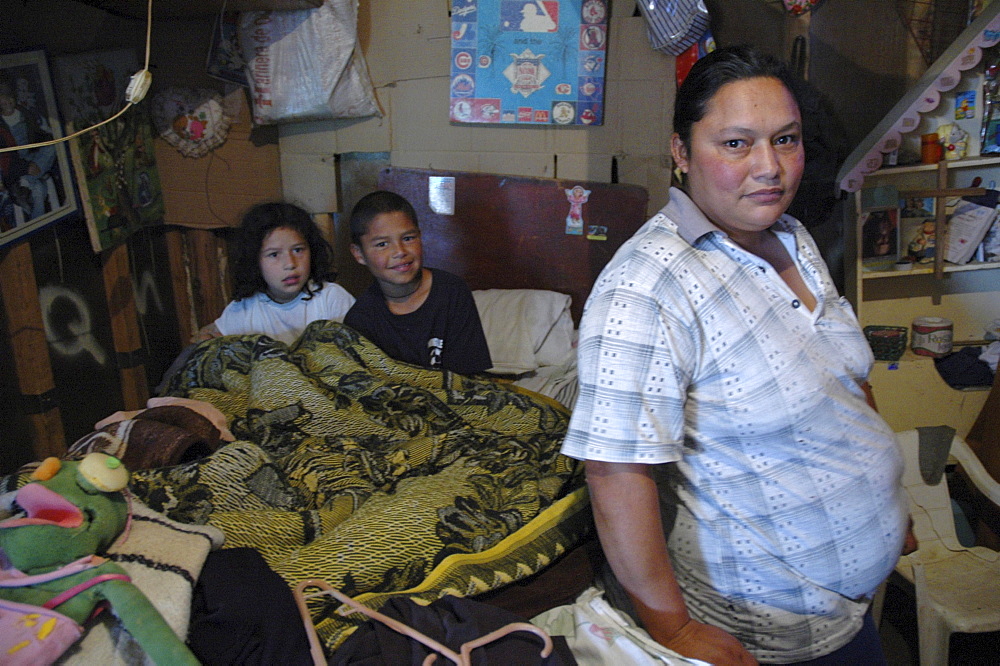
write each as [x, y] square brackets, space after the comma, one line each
[257, 223]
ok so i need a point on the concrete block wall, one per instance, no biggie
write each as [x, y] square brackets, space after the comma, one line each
[408, 50]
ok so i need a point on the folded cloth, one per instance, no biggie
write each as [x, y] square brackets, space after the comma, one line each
[964, 368]
[205, 409]
[599, 634]
[160, 436]
[244, 613]
[991, 354]
[164, 559]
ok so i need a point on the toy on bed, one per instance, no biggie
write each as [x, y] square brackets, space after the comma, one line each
[54, 578]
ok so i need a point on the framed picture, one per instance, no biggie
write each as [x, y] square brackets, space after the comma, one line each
[115, 165]
[880, 234]
[225, 60]
[37, 183]
[916, 228]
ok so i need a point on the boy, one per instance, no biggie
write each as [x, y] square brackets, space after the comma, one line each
[419, 315]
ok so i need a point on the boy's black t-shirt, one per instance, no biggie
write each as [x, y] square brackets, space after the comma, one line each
[445, 332]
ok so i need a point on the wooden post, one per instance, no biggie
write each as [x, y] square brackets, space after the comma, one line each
[325, 223]
[31, 351]
[204, 252]
[941, 194]
[180, 285]
[939, 228]
[125, 327]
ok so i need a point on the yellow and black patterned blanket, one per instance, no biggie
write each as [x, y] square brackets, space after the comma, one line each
[360, 470]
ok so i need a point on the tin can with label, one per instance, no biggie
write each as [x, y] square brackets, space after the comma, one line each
[932, 336]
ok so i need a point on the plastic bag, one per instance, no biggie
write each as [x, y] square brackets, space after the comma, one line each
[305, 64]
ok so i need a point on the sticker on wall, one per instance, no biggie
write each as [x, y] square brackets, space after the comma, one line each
[576, 196]
[528, 61]
[441, 194]
[965, 105]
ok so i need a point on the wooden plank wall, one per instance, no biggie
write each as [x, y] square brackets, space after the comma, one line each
[84, 335]
[130, 309]
[26, 334]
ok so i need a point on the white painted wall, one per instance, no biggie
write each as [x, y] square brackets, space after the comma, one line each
[408, 49]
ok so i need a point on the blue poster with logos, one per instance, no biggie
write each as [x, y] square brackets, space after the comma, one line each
[538, 62]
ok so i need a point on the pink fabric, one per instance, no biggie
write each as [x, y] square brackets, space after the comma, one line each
[77, 589]
[14, 578]
[32, 635]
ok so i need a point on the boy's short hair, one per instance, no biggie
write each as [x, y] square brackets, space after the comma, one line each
[377, 203]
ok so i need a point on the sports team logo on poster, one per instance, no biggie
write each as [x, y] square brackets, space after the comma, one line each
[528, 61]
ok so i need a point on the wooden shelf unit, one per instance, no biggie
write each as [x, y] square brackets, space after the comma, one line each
[910, 392]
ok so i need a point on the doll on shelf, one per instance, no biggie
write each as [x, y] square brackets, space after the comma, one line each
[954, 139]
[921, 246]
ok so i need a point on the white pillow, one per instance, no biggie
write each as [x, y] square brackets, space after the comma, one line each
[525, 328]
[559, 342]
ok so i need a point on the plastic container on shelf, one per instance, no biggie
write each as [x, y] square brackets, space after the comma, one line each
[887, 342]
[931, 150]
[932, 336]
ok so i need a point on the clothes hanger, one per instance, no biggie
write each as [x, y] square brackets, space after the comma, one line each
[461, 658]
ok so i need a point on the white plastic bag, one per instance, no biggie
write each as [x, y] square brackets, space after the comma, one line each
[306, 64]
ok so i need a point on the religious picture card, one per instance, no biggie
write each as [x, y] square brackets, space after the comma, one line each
[880, 235]
[115, 165]
[917, 228]
[36, 181]
[535, 62]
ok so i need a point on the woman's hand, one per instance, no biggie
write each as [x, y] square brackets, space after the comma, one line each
[626, 507]
[707, 643]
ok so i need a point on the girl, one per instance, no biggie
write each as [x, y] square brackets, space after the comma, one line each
[280, 266]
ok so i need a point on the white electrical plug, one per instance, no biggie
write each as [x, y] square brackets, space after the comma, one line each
[138, 86]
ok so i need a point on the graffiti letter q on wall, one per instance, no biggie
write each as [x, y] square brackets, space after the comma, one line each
[67, 323]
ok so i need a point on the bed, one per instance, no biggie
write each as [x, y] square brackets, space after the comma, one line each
[385, 479]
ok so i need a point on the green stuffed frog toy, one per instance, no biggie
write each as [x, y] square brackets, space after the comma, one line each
[53, 578]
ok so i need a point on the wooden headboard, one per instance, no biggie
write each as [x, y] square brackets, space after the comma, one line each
[509, 232]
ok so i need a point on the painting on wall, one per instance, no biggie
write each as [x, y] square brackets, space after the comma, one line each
[880, 235]
[537, 62]
[225, 60]
[36, 182]
[114, 163]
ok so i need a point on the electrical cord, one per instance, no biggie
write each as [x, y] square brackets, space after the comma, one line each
[135, 92]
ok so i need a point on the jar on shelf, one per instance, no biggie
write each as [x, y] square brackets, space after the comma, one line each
[931, 150]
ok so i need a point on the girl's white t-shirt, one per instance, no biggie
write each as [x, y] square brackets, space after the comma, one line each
[284, 321]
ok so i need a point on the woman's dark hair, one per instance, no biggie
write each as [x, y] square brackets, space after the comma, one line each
[377, 203]
[7, 85]
[722, 66]
[257, 223]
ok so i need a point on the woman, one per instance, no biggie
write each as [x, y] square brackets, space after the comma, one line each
[745, 493]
